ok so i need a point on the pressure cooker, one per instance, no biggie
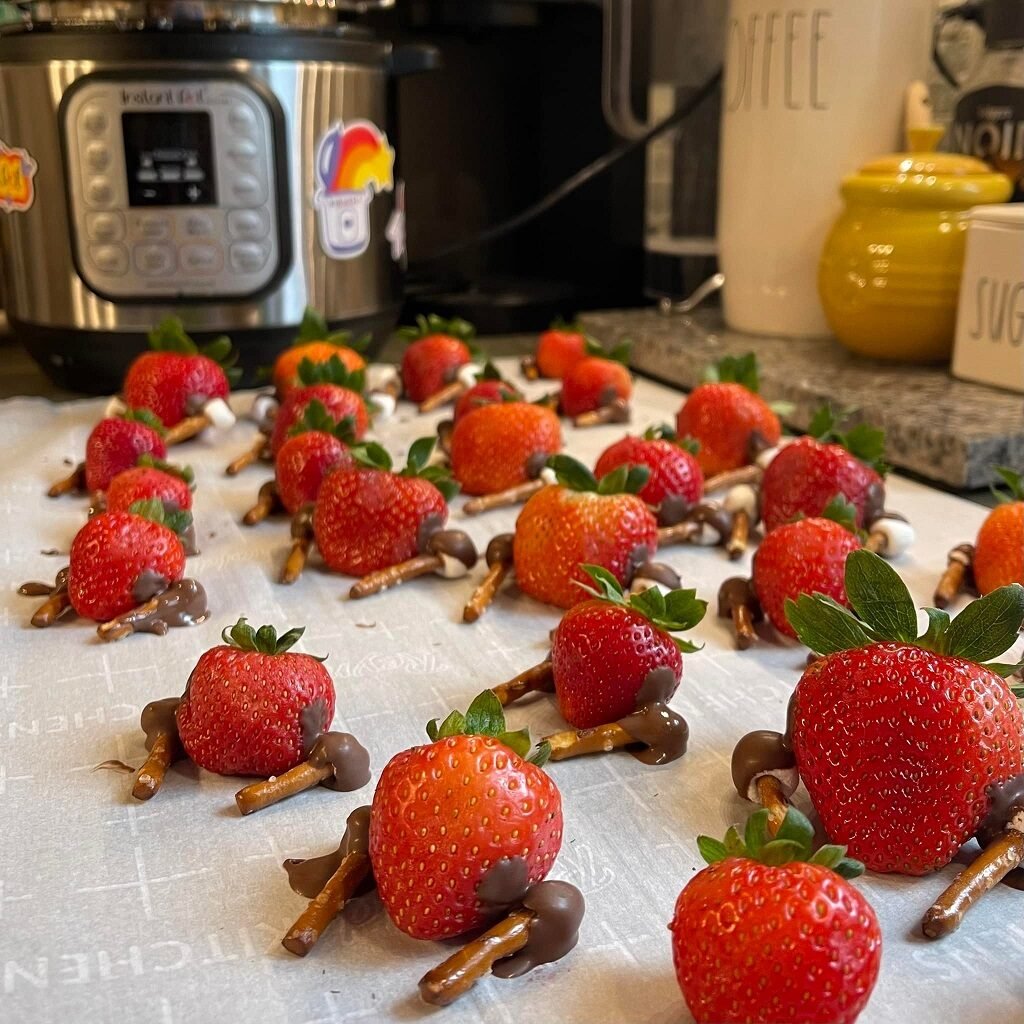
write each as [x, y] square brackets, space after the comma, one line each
[230, 162]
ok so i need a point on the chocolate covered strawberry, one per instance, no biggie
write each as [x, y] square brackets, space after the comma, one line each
[805, 476]
[605, 649]
[117, 443]
[900, 737]
[177, 379]
[317, 343]
[582, 520]
[462, 826]
[999, 549]
[317, 445]
[437, 350]
[368, 518]
[772, 931]
[151, 478]
[675, 471]
[490, 389]
[253, 707]
[559, 349]
[598, 383]
[727, 417]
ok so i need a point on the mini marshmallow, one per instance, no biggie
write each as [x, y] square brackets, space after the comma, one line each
[115, 406]
[548, 476]
[263, 406]
[467, 375]
[789, 778]
[707, 537]
[452, 567]
[219, 413]
[764, 459]
[641, 585]
[380, 376]
[899, 536]
[384, 405]
[742, 498]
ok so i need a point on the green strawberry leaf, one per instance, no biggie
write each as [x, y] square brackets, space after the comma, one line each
[779, 852]
[843, 512]
[332, 371]
[541, 755]
[797, 829]
[736, 370]
[1014, 481]
[849, 868]
[312, 328]
[881, 598]
[755, 835]
[153, 509]
[169, 336]
[621, 352]
[988, 627]
[372, 456]
[440, 477]
[486, 717]
[934, 637]
[519, 741]
[734, 846]
[1005, 669]
[624, 480]
[146, 417]
[571, 473]
[712, 850]
[263, 640]
[453, 725]
[607, 587]
[315, 417]
[863, 441]
[419, 454]
[661, 432]
[824, 625]
[427, 326]
[184, 473]
[489, 372]
[688, 444]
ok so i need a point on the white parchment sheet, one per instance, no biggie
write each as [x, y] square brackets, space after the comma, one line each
[171, 912]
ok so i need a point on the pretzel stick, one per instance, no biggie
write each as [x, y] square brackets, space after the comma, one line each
[955, 578]
[302, 541]
[447, 394]
[375, 582]
[678, 534]
[53, 608]
[73, 482]
[186, 429]
[327, 904]
[502, 499]
[484, 594]
[538, 679]
[460, 972]
[739, 538]
[723, 481]
[772, 797]
[270, 791]
[268, 501]
[258, 451]
[614, 412]
[151, 774]
[578, 742]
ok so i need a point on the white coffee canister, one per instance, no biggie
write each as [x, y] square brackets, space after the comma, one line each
[811, 92]
[989, 343]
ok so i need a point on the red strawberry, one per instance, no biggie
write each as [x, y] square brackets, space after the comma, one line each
[489, 389]
[898, 737]
[604, 649]
[725, 414]
[438, 349]
[251, 708]
[582, 521]
[115, 445]
[446, 813]
[367, 517]
[561, 347]
[805, 557]
[335, 389]
[151, 478]
[806, 475]
[318, 445]
[779, 937]
[116, 555]
[999, 549]
[675, 472]
[497, 446]
[318, 344]
[595, 382]
[177, 377]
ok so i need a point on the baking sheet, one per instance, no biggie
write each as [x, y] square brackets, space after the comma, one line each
[173, 911]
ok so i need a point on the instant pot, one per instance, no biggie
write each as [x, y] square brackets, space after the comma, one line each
[226, 162]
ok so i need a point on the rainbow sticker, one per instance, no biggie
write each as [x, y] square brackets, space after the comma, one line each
[17, 174]
[353, 164]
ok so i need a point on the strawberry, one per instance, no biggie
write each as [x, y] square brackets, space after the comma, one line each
[151, 478]
[805, 557]
[115, 445]
[117, 558]
[318, 445]
[806, 475]
[999, 549]
[561, 347]
[178, 377]
[604, 649]
[489, 389]
[724, 414]
[582, 520]
[252, 708]
[438, 348]
[898, 737]
[445, 813]
[367, 517]
[318, 344]
[333, 387]
[595, 382]
[675, 472]
[772, 932]
[497, 446]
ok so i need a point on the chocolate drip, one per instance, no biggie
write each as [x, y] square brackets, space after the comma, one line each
[787, 738]
[663, 732]
[444, 435]
[159, 718]
[35, 588]
[1006, 801]
[874, 502]
[195, 404]
[313, 723]
[738, 592]
[499, 550]
[637, 557]
[308, 877]
[756, 444]
[188, 539]
[711, 515]
[454, 544]
[148, 585]
[673, 510]
[658, 686]
[505, 882]
[183, 603]
[347, 756]
[427, 529]
[659, 572]
[759, 753]
[536, 464]
[558, 909]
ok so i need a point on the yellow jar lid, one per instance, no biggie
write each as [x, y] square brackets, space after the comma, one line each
[922, 177]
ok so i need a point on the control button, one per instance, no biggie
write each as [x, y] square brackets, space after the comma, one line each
[244, 153]
[242, 118]
[99, 192]
[198, 225]
[201, 259]
[151, 227]
[169, 173]
[109, 259]
[104, 227]
[94, 119]
[247, 190]
[248, 224]
[153, 259]
[97, 156]
[248, 257]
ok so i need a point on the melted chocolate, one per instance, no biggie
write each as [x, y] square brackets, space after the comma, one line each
[427, 529]
[347, 756]
[183, 603]
[759, 753]
[738, 592]
[302, 523]
[194, 404]
[535, 464]
[505, 882]
[1006, 801]
[637, 557]
[308, 877]
[659, 572]
[160, 718]
[148, 585]
[444, 435]
[874, 502]
[558, 909]
[756, 444]
[673, 510]
[454, 544]
[712, 515]
[658, 686]
[188, 539]
[787, 737]
[499, 550]
[35, 588]
[313, 724]
[663, 733]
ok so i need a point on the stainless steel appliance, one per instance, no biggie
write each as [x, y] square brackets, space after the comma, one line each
[228, 162]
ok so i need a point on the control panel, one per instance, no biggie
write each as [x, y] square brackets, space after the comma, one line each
[172, 187]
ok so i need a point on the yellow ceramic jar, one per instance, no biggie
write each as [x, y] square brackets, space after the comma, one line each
[890, 274]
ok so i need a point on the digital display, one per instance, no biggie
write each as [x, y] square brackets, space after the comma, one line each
[169, 159]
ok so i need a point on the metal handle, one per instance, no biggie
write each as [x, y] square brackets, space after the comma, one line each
[970, 11]
[617, 70]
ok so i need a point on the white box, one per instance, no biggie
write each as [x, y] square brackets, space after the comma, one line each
[990, 319]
